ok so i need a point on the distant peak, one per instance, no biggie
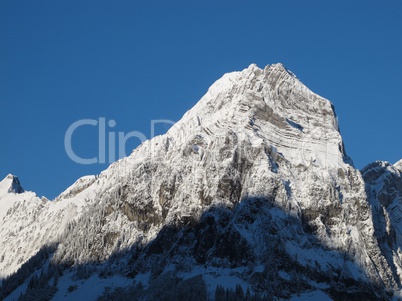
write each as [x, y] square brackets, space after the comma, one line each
[398, 165]
[12, 183]
[16, 186]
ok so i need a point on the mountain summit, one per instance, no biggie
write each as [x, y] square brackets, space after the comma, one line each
[250, 195]
[10, 184]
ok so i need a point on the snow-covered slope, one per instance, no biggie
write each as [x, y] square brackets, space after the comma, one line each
[28, 222]
[18, 212]
[253, 184]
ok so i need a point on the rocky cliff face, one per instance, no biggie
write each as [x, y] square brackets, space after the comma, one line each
[384, 192]
[253, 185]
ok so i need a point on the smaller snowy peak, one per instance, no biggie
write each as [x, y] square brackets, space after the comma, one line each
[10, 184]
[383, 166]
[374, 168]
[378, 170]
[398, 165]
[376, 165]
[16, 186]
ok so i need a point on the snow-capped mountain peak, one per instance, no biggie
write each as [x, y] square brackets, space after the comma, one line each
[252, 184]
[272, 106]
[10, 184]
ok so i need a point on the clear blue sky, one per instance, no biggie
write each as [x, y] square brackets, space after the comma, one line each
[134, 61]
